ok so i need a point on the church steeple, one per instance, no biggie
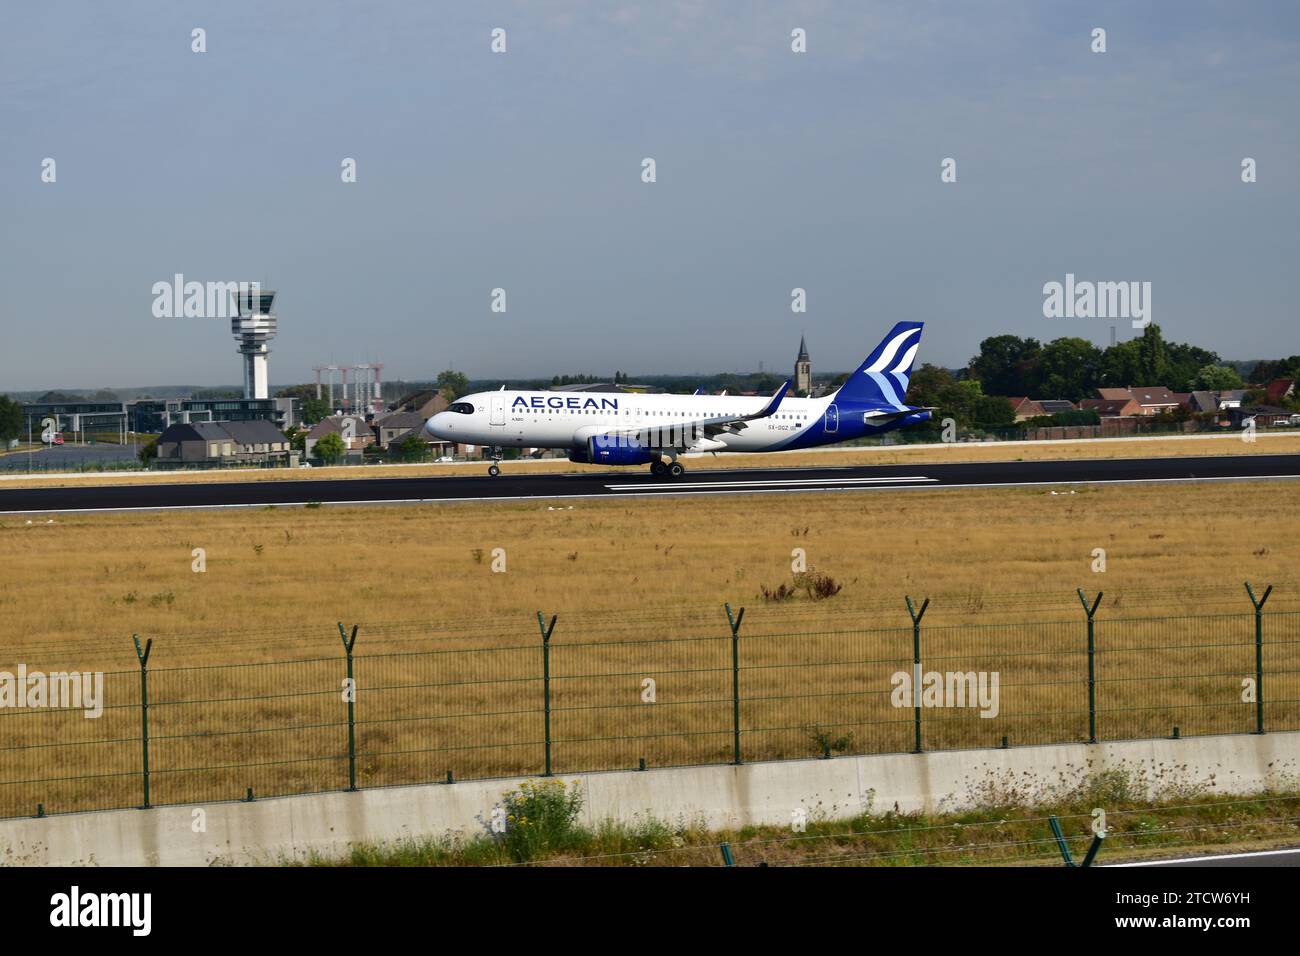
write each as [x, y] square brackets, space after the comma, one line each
[803, 370]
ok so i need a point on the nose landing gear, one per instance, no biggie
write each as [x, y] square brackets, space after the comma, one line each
[494, 469]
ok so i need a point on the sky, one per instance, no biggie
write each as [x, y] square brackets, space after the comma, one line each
[523, 171]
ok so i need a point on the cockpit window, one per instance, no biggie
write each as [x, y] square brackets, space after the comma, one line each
[463, 408]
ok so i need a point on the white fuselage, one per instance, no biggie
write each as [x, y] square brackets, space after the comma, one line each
[537, 419]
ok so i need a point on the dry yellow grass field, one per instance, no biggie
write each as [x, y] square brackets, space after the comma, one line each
[450, 661]
[1192, 445]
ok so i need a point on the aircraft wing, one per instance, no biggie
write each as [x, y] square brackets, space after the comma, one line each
[719, 425]
[646, 433]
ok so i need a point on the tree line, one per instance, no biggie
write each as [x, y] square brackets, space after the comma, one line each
[1073, 368]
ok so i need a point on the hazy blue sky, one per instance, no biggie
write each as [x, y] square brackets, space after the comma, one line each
[522, 171]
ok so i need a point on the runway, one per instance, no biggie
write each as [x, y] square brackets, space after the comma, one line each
[1287, 857]
[697, 481]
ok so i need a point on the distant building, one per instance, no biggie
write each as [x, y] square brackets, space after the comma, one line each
[1264, 415]
[223, 443]
[154, 415]
[1231, 398]
[1056, 406]
[76, 417]
[1279, 390]
[1112, 407]
[1025, 408]
[803, 369]
[436, 447]
[353, 429]
[150, 416]
[426, 402]
[396, 426]
[1155, 399]
[1151, 399]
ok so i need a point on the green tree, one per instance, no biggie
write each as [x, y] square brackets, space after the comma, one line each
[453, 384]
[300, 392]
[1185, 363]
[1218, 378]
[1070, 369]
[330, 448]
[926, 385]
[934, 387]
[992, 411]
[410, 448]
[1119, 365]
[1268, 370]
[962, 399]
[1153, 357]
[11, 419]
[314, 409]
[1008, 365]
[148, 453]
[311, 408]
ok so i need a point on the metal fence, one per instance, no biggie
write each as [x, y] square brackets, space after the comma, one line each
[180, 735]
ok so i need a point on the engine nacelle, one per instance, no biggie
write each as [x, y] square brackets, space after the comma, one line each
[613, 450]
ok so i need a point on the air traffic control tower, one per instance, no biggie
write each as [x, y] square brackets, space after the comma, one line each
[253, 327]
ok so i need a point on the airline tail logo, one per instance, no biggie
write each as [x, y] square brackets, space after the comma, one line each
[882, 379]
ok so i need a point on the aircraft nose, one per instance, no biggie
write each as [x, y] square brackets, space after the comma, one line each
[437, 425]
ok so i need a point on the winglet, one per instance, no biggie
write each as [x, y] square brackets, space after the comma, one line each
[698, 391]
[775, 403]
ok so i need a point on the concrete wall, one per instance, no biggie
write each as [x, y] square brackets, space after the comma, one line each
[723, 796]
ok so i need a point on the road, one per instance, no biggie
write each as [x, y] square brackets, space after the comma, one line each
[1279, 468]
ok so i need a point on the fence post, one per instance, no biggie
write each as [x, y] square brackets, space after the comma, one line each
[546, 683]
[1259, 654]
[734, 621]
[143, 656]
[1097, 840]
[916, 668]
[1091, 611]
[348, 644]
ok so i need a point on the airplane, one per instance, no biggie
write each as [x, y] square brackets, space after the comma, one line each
[627, 428]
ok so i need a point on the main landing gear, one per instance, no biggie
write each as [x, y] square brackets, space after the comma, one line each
[494, 469]
[662, 469]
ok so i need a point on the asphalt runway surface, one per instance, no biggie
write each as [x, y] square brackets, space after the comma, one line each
[1280, 469]
[1287, 857]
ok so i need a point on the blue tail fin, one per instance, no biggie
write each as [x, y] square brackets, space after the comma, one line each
[881, 381]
